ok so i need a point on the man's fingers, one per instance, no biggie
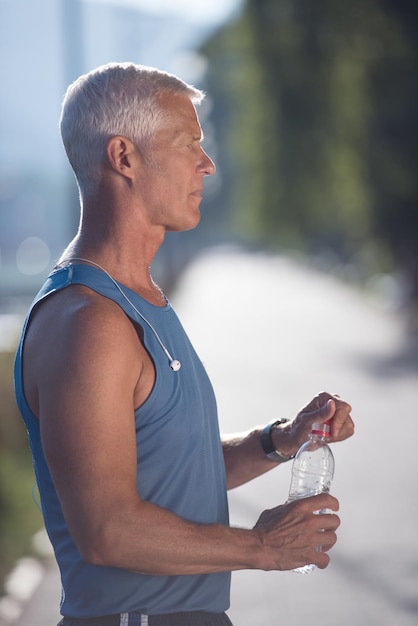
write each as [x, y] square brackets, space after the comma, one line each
[319, 502]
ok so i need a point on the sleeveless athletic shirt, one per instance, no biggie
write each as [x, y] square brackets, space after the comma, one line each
[180, 466]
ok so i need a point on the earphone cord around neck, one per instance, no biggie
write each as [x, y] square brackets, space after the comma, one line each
[175, 365]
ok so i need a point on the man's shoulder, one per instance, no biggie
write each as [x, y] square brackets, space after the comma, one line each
[77, 313]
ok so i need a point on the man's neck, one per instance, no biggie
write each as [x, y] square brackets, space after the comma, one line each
[133, 270]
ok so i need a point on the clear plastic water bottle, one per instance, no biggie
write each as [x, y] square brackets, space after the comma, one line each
[312, 471]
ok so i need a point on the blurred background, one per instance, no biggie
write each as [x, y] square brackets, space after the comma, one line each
[310, 117]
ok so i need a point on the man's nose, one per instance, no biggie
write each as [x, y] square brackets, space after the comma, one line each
[208, 166]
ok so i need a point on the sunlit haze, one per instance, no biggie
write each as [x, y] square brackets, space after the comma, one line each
[212, 11]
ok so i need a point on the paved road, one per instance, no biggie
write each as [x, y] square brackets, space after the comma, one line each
[271, 334]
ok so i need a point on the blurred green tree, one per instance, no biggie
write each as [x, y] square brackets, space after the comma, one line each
[318, 131]
[20, 519]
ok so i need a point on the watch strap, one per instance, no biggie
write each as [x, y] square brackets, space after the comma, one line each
[268, 446]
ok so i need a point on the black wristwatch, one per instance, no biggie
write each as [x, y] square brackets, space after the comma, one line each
[268, 446]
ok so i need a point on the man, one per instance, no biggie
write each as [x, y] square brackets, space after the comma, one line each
[120, 412]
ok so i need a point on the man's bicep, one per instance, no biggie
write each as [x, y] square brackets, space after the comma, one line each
[88, 430]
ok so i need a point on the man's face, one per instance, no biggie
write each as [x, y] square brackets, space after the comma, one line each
[172, 181]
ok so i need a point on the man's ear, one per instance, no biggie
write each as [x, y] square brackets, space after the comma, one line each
[121, 154]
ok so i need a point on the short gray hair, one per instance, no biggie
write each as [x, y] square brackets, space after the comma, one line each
[114, 99]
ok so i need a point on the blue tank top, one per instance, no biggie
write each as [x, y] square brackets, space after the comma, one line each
[180, 466]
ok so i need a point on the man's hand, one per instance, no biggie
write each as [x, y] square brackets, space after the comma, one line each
[291, 533]
[288, 437]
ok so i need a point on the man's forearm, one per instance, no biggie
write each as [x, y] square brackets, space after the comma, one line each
[245, 458]
[155, 541]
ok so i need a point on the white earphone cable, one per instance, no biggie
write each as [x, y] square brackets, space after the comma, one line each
[175, 365]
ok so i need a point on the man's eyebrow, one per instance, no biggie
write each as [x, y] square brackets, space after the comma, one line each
[187, 135]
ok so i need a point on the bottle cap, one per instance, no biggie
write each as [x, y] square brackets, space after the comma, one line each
[323, 430]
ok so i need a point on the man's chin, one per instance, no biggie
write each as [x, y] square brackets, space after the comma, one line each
[180, 228]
